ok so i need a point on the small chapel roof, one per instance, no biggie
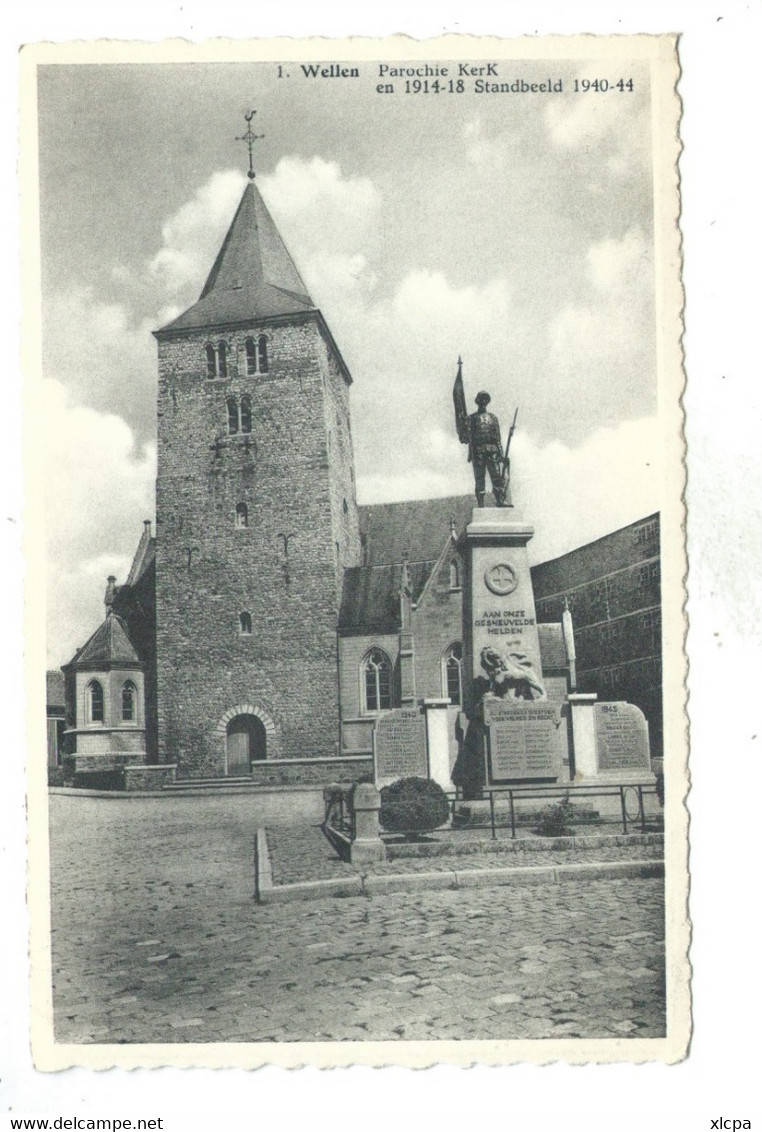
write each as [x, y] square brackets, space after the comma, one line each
[109, 645]
[415, 526]
[253, 276]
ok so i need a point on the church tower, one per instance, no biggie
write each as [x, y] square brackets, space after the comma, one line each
[256, 513]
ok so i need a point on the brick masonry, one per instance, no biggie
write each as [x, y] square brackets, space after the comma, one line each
[294, 473]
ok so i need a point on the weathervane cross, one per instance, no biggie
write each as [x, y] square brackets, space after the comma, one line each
[249, 137]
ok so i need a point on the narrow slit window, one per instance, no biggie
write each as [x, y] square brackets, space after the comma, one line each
[232, 415]
[222, 359]
[245, 624]
[453, 665]
[241, 515]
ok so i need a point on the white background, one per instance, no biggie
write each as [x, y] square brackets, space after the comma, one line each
[720, 50]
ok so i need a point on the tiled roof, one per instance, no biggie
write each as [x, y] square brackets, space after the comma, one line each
[109, 644]
[418, 527]
[253, 277]
[371, 595]
[144, 556]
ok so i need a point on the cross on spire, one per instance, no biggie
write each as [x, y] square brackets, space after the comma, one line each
[249, 137]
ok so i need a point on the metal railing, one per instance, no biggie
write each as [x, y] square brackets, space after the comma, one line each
[632, 810]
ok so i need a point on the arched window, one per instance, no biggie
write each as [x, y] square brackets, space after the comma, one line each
[245, 623]
[454, 576]
[452, 666]
[241, 515]
[211, 361]
[232, 415]
[95, 702]
[129, 702]
[377, 681]
[222, 359]
[246, 414]
[251, 356]
[262, 353]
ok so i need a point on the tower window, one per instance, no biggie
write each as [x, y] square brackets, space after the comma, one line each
[256, 355]
[95, 702]
[232, 415]
[216, 360]
[129, 702]
[245, 624]
[211, 361]
[246, 414]
[452, 671]
[241, 515]
[377, 681]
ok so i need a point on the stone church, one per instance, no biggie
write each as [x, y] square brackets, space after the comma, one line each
[270, 622]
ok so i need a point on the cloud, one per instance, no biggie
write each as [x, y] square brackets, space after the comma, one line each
[600, 350]
[192, 236]
[99, 487]
[104, 354]
[606, 125]
[481, 150]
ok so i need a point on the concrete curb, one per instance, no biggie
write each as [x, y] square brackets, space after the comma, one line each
[378, 884]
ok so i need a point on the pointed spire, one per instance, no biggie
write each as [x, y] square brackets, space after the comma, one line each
[253, 277]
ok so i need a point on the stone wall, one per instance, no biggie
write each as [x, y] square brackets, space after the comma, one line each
[283, 568]
[315, 772]
[149, 777]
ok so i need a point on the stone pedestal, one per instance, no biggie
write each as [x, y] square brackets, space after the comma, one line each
[366, 843]
[438, 741]
[583, 734]
[499, 607]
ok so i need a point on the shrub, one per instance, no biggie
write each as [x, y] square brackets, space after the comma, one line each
[555, 820]
[413, 805]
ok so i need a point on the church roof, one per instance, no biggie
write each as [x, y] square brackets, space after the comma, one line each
[371, 596]
[109, 645]
[253, 277]
[418, 526]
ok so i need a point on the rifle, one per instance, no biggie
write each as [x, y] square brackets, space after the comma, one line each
[506, 458]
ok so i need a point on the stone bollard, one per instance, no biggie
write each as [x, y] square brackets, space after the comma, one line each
[366, 843]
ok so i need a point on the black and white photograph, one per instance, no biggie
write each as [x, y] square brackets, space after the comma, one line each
[359, 380]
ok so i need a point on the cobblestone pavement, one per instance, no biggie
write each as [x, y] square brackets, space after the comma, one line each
[303, 853]
[156, 939]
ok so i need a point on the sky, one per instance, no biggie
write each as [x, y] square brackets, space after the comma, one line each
[512, 230]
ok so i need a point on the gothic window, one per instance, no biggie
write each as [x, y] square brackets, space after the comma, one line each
[377, 681]
[246, 414]
[454, 578]
[452, 663]
[95, 702]
[241, 515]
[232, 415]
[245, 623]
[129, 702]
[211, 361]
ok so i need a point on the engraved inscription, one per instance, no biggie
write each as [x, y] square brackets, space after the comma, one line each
[401, 744]
[522, 741]
[622, 737]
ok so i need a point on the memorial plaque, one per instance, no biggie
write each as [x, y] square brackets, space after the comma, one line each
[401, 745]
[523, 740]
[621, 735]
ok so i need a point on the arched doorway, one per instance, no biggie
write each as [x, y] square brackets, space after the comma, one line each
[246, 743]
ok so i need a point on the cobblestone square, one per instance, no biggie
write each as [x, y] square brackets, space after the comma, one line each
[156, 938]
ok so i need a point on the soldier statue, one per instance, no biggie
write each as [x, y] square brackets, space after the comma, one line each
[481, 432]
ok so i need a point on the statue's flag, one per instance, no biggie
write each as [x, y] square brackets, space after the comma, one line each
[459, 400]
